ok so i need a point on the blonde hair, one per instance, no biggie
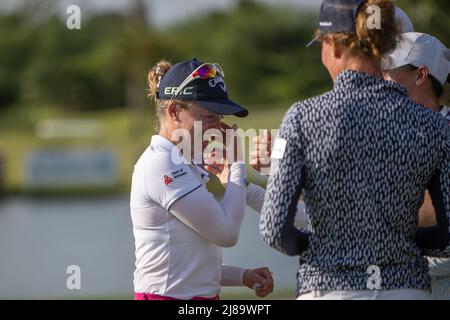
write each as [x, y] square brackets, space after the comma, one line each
[154, 77]
[372, 43]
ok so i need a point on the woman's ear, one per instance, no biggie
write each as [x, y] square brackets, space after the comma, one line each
[337, 50]
[173, 111]
[422, 75]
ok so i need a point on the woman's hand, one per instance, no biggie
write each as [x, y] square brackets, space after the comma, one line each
[260, 158]
[260, 280]
[217, 165]
[233, 146]
[217, 162]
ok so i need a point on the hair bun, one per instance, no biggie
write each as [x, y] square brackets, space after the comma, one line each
[155, 75]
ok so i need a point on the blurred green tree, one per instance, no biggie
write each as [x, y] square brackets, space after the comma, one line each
[104, 65]
[429, 16]
[74, 68]
[262, 50]
[16, 48]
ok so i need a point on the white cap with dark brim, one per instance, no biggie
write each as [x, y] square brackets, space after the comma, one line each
[421, 49]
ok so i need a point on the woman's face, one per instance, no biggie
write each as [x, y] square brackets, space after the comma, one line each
[406, 78]
[417, 84]
[194, 116]
[328, 58]
[333, 57]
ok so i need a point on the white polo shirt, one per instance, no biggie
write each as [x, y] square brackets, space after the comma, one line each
[171, 258]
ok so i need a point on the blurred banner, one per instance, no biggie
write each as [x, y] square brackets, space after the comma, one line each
[54, 169]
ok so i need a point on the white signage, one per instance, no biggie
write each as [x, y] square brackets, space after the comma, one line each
[70, 168]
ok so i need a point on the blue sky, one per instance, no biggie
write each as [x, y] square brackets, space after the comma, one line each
[161, 12]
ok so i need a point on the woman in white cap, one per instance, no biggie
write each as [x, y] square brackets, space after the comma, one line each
[421, 63]
[363, 153]
[178, 225]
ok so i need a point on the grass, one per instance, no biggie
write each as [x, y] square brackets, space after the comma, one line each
[126, 132]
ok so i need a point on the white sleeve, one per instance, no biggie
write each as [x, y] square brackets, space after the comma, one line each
[160, 179]
[255, 200]
[255, 197]
[232, 276]
[217, 222]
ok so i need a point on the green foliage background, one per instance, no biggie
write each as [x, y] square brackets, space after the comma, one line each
[262, 50]
[99, 72]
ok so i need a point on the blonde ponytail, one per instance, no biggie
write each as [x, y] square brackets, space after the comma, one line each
[365, 41]
[154, 77]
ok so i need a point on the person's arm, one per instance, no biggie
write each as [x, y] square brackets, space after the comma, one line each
[436, 236]
[259, 279]
[255, 194]
[255, 200]
[232, 276]
[434, 241]
[427, 215]
[283, 190]
[217, 222]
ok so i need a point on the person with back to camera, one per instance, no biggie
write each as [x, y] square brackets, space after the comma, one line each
[363, 153]
[421, 63]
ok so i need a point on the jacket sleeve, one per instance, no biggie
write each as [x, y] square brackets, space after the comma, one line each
[285, 184]
[255, 200]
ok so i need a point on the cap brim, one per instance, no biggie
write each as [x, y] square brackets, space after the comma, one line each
[224, 107]
[390, 63]
[313, 41]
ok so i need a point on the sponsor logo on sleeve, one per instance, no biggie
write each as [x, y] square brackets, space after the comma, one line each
[167, 180]
[175, 174]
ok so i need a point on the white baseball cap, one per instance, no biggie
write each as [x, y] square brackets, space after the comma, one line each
[420, 49]
[403, 21]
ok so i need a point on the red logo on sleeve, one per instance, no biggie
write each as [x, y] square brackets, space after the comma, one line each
[167, 180]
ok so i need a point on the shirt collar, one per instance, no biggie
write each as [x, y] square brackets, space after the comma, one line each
[444, 111]
[162, 143]
[355, 80]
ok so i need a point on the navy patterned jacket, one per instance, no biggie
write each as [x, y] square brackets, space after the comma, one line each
[364, 154]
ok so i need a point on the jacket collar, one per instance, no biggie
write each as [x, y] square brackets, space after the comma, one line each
[350, 80]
